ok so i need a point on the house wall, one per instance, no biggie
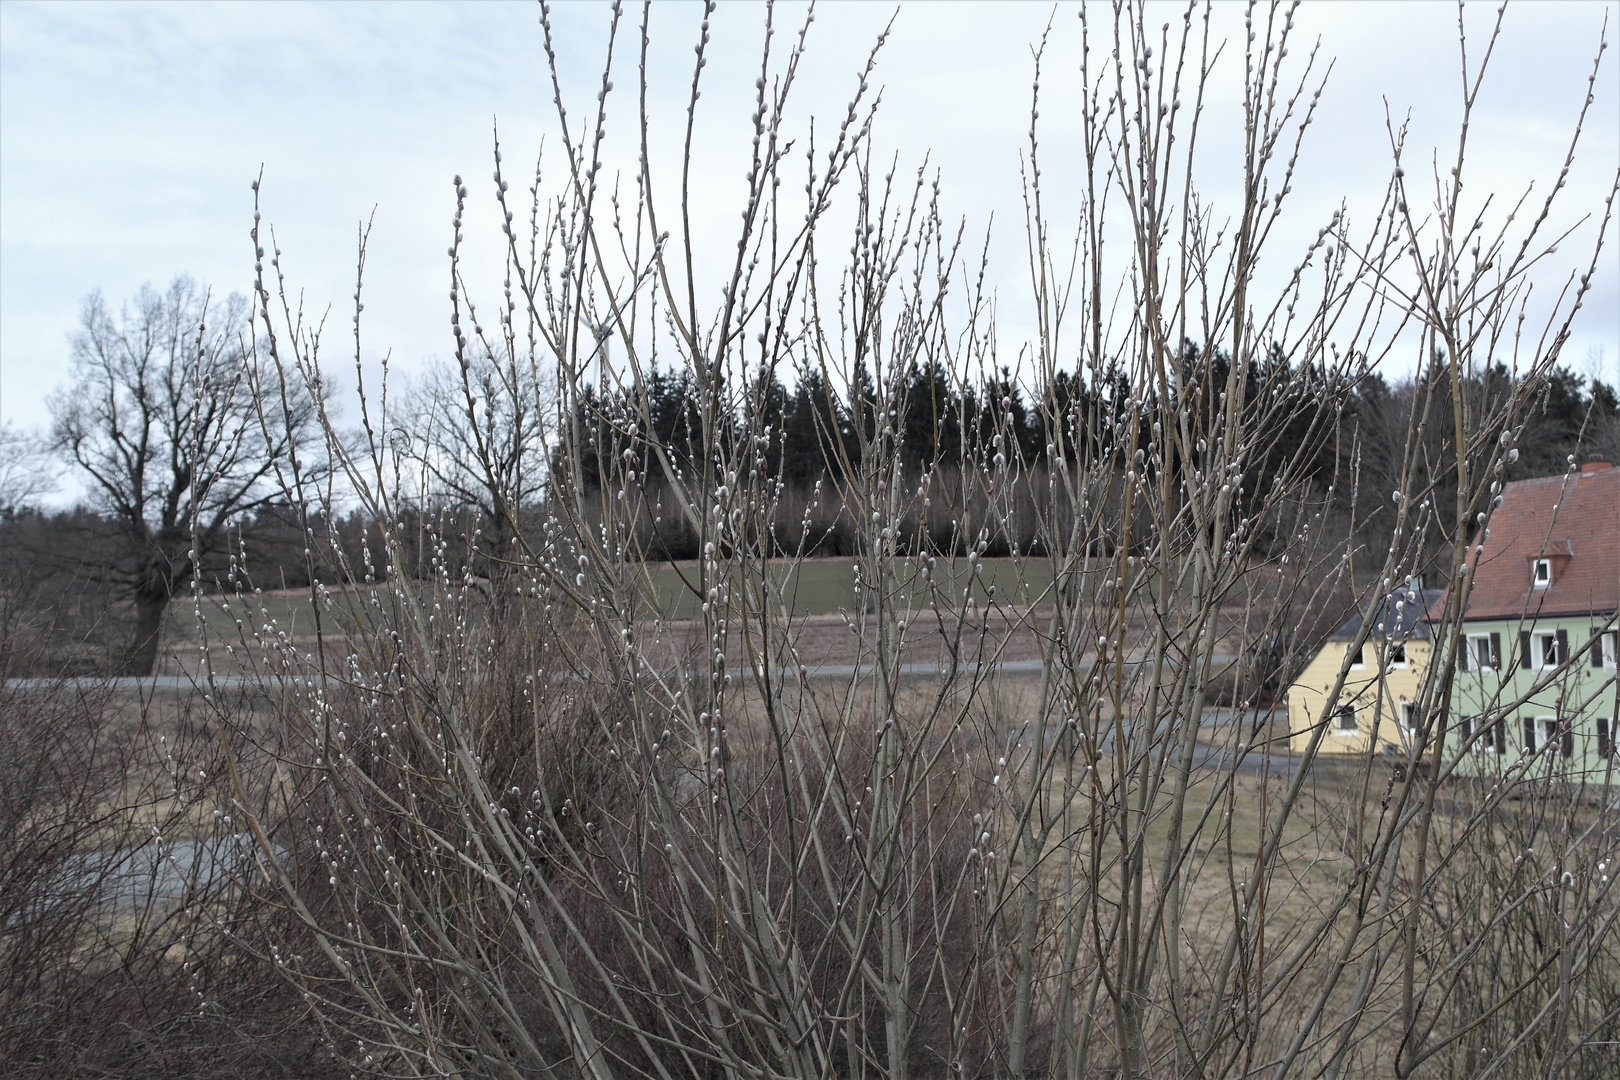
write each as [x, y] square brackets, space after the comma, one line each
[1376, 697]
[1581, 696]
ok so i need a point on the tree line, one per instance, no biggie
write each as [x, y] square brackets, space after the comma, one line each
[1351, 432]
[164, 425]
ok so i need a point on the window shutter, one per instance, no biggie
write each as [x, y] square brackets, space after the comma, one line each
[1462, 654]
[1567, 744]
[1499, 737]
[1605, 746]
[1496, 651]
[1529, 735]
[1465, 725]
[1524, 649]
[1563, 646]
[1597, 650]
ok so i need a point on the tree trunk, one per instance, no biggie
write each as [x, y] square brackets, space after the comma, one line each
[151, 602]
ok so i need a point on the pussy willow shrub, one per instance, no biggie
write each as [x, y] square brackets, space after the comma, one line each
[131, 911]
[1548, 848]
[533, 825]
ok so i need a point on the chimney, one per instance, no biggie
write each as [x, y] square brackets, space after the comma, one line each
[1594, 463]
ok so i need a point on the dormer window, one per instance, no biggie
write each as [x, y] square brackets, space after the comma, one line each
[1541, 573]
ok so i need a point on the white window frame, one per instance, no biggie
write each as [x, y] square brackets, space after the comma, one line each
[1339, 731]
[1407, 718]
[1358, 659]
[1539, 568]
[1544, 650]
[1548, 735]
[1486, 744]
[1397, 654]
[1477, 643]
[1609, 643]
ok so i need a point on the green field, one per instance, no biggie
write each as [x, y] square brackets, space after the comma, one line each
[825, 586]
[810, 587]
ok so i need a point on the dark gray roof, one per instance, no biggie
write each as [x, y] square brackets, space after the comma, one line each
[1397, 615]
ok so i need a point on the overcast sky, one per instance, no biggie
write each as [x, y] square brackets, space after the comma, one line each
[129, 133]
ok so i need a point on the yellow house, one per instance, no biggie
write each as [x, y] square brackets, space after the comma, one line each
[1376, 709]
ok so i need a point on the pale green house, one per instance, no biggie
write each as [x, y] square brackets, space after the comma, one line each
[1535, 687]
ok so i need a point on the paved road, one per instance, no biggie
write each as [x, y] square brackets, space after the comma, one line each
[130, 878]
[814, 671]
[150, 682]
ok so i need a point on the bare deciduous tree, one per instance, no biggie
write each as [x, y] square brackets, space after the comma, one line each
[476, 438]
[160, 418]
[25, 469]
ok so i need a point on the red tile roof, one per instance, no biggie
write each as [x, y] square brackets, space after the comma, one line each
[1573, 519]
